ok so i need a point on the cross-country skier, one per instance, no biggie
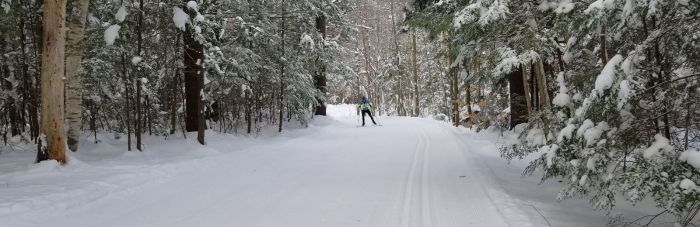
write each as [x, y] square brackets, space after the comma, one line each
[364, 106]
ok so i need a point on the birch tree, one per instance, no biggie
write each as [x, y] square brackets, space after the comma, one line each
[74, 55]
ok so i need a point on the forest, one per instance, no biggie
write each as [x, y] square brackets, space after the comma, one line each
[602, 93]
[159, 67]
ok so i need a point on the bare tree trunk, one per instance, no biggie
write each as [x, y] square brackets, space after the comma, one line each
[416, 97]
[534, 93]
[543, 93]
[542, 85]
[93, 118]
[248, 112]
[603, 46]
[74, 54]
[468, 103]
[149, 118]
[138, 125]
[661, 79]
[526, 87]
[455, 97]
[194, 60]
[176, 91]
[281, 98]
[139, 116]
[689, 110]
[366, 56]
[320, 79]
[52, 73]
[401, 111]
[28, 95]
[30, 87]
[127, 85]
[518, 103]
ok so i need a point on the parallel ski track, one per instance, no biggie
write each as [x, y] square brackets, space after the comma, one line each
[426, 204]
[416, 196]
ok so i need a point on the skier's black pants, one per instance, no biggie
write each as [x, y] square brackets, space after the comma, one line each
[370, 116]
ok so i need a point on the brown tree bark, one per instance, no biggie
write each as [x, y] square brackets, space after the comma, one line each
[454, 93]
[543, 93]
[194, 59]
[542, 85]
[518, 103]
[52, 73]
[416, 96]
[468, 101]
[320, 78]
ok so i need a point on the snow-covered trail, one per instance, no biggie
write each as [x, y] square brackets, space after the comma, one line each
[410, 172]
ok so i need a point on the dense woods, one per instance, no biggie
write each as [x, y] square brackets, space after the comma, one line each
[604, 93]
[606, 90]
[147, 67]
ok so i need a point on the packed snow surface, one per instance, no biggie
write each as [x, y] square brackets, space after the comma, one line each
[408, 172]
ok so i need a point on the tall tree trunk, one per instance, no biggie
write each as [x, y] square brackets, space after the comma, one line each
[455, 97]
[52, 73]
[139, 115]
[74, 54]
[416, 97]
[194, 59]
[661, 79]
[248, 112]
[320, 78]
[30, 87]
[603, 46]
[526, 89]
[534, 93]
[468, 103]
[542, 85]
[149, 118]
[543, 94]
[176, 88]
[281, 98]
[518, 104]
[27, 91]
[397, 63]
[127, 110]
[37, 28]
[173, 105]
[138, 129]
[368, 67]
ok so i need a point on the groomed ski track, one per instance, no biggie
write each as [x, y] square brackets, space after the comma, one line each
[411, 172]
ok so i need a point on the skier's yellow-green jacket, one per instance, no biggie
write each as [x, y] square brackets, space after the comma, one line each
[364, 104]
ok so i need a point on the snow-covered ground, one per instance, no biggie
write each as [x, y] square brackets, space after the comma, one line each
[409, 172]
